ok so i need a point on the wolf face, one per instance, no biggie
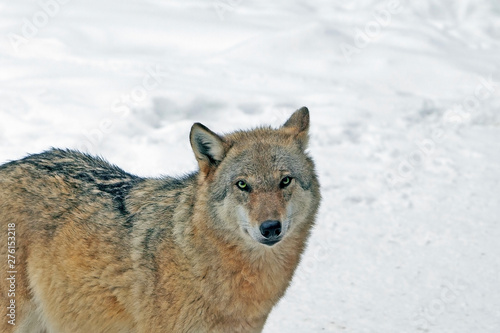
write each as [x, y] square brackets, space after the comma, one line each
[260, 183]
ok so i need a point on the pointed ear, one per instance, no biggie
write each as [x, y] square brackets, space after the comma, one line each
[207, 146]
[298, 125]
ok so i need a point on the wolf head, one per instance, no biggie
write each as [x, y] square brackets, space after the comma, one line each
[260, 184]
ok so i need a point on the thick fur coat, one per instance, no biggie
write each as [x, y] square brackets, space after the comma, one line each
[97, 249]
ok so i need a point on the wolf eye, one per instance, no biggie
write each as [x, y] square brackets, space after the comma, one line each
[285, 181]
[242, 185]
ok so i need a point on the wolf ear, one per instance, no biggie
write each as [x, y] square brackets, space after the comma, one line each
[298, 125]
[207, 146]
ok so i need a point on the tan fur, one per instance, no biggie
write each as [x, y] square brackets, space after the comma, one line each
[100, 250]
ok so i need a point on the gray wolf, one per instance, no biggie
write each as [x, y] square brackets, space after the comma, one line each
[96, 249]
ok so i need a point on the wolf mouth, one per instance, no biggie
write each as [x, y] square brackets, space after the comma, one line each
[270, 242]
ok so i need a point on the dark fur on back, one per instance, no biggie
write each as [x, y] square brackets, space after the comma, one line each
[107, 179]
[93, 172]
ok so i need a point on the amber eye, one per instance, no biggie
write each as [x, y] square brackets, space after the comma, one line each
[242, 185]
[285, 181]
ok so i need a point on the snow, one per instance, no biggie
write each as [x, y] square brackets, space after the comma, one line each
[404, 99]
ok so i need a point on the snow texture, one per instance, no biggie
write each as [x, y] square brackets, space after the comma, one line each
[404, 99]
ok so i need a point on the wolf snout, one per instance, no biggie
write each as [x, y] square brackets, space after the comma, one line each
[271, 230]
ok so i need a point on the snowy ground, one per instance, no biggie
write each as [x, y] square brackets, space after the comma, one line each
[405, 106]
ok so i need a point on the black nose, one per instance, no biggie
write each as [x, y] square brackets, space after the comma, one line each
[270, 229]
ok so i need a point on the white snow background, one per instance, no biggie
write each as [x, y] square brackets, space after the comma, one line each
[404, 99]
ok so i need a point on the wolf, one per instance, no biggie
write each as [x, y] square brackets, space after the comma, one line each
[92, 248]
